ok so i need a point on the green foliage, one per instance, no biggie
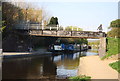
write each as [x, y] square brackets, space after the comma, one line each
[80, 78]
[15, 15]
[112, 47]
[115, 32]
[115, 29]
[74, 28]
[94, 43]
[0, 8]
[113, 42]
[10, 16]
[53, 21]
[2, 27]
[73, 40]
[115, 23]
[115, 65]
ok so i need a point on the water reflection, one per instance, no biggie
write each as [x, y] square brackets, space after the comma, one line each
[41, 67]
[67, 64]
[90, 52]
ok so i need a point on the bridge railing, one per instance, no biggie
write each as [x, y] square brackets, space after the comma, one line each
[37, 29]
[37, 26]
[67, 33]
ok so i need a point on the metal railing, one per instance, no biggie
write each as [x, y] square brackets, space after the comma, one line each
[37, 26]
[38, 29]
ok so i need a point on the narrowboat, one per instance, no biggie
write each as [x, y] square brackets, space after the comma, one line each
[61, 47]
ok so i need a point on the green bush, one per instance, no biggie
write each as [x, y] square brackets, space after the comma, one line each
[112, 47]
[80, 78]
[115, 65]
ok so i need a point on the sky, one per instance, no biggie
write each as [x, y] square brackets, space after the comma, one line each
[86, 15]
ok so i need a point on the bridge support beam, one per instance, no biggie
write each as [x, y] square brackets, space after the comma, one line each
[102, 47]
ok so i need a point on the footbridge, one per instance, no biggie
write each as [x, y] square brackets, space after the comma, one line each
[37, 30]
[52, 31]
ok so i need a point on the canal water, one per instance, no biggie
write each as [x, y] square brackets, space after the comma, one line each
[55, 66]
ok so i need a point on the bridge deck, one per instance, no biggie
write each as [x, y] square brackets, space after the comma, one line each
[66, 36]
[39, 30]
[61, 33]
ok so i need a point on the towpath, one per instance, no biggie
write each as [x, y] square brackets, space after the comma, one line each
[96, 68]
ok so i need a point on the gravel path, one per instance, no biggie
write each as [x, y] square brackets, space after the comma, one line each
[96, 68]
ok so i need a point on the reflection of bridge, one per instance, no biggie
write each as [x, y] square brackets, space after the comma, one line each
[37, 30]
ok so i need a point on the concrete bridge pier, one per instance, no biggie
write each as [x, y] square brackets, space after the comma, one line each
[102, 47]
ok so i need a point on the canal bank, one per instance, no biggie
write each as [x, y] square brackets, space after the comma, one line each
[96, 68]
[40, 52]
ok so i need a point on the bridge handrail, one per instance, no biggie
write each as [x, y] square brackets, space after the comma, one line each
[39, 27]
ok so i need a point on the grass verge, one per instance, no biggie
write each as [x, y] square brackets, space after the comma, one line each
[112, 47]
[80, 78]
[106, 56]
[115, 65]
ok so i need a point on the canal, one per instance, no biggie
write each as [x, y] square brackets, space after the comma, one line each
[45, 67]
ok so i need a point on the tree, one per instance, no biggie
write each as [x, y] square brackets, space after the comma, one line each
[73, 40]
[115, 32]
[53, 21]
[115, 23]
[74, 28]
[115, 29]
[56, 20]
[9, 16]
[14, 15]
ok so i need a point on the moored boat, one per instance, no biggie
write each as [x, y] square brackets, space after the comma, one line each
[61, 47]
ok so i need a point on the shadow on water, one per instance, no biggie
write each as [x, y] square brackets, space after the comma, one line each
[51, 67]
